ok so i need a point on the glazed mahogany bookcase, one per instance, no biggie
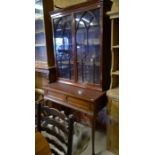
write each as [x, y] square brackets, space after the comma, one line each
[81, 44]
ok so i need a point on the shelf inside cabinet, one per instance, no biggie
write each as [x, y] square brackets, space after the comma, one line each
[89, 63]
[113, 14]
[42, 70]
[115, 73]
[113, 93]
[66, 62]
[78, 62]
[115, 46]
[40, 45]
[89, 44]
[40, 31]
[40, 91]
[38, 16]
[93, 29]
[92, 42]
[41, 64]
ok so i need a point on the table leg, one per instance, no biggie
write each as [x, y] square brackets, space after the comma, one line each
[93, 134]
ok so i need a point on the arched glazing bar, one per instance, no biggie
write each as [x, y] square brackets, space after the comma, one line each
[63, 47]
[87, 51]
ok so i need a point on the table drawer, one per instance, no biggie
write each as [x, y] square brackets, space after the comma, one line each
[84, 105]
[56, 95]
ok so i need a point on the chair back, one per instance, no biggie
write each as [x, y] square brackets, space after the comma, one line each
[57, 128]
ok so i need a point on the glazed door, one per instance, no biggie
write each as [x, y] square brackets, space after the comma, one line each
[63, 47]
[88, 46]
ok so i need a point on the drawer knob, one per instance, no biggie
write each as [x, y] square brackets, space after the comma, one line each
[79, 92]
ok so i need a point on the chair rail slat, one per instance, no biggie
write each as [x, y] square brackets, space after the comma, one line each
[54, 112]
[53, 122]
[52, 132]
[56, 144]
[54, 152]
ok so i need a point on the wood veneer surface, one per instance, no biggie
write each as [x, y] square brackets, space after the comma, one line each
[87, 94]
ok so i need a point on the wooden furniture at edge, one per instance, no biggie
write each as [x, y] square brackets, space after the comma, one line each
[113, 121]
[113, 93]
[41, 145]
[81, 42]
[44, 59]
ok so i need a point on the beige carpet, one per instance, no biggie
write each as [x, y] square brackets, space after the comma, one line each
[100, 145]
[85, 146]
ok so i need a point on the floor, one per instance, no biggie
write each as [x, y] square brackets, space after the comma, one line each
[100, 145]
[82, 142]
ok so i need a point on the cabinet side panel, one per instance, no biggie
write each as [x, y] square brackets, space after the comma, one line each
[48, 6]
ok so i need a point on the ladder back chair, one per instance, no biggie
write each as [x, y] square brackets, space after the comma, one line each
[57, 129]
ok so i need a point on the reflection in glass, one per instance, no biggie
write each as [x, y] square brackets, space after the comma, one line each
[40, 53]
[63, 46]
[39, 38]
[88, 46]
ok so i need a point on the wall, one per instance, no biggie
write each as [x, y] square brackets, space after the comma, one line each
[66, 3]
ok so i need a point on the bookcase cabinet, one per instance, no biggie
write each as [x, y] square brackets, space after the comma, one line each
[82, 44]
[113, 92]
[114, 16]
[44, 61]
[43, 43]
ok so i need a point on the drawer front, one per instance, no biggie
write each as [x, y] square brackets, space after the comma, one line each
[84, 105]
[55, 95]
[115, 109]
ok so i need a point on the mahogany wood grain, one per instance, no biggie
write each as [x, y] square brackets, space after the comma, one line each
[104, 6]
[81, 93]
[83, 97]
[41, 145]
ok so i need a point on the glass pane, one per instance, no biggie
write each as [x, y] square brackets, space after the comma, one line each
[88, 46]
[39, 54]
[63, 47]
[40, 45]
[40, 38]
